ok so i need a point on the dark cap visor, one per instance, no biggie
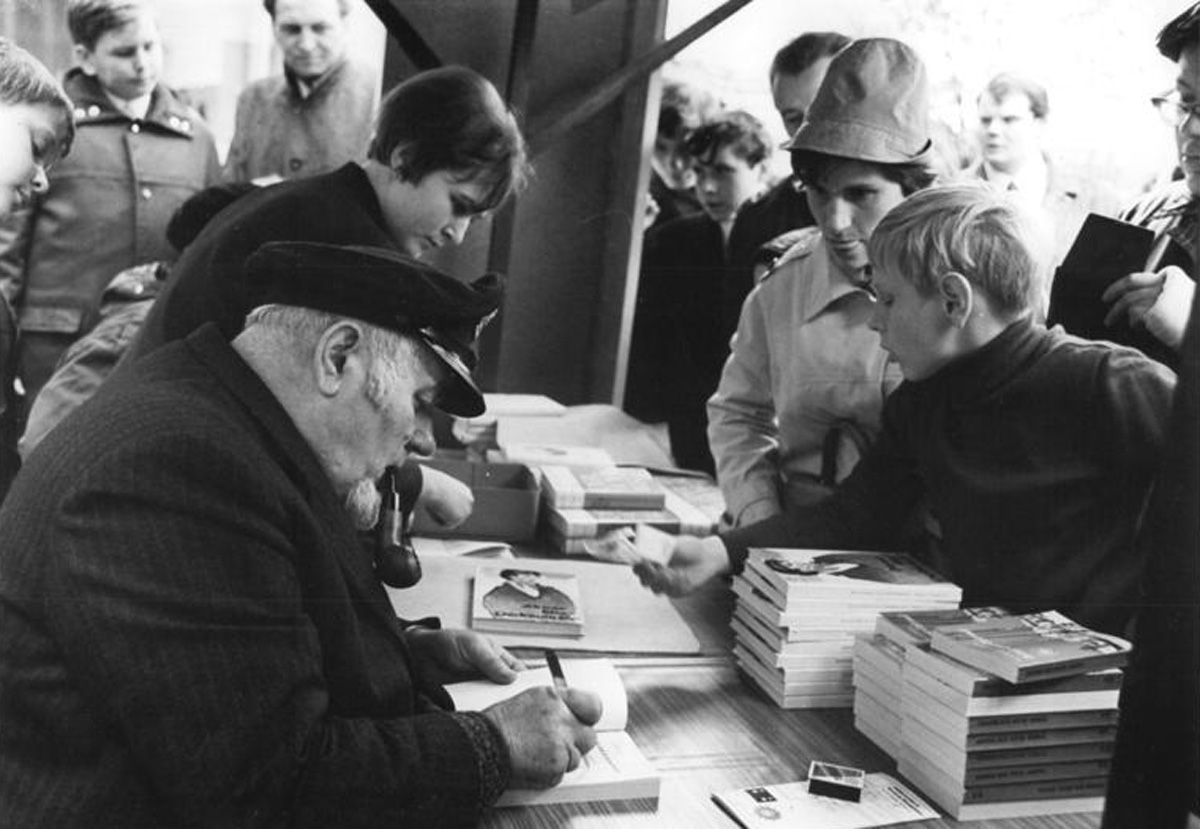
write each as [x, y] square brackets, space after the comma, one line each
[459, 395]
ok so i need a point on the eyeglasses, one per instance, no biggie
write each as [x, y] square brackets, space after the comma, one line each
[1174, 111]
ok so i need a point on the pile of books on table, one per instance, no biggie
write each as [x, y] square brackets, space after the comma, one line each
[1000, 715]
[798, 611]
[879, 662]
[580, 505]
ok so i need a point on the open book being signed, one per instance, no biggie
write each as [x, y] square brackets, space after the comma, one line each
[614, 770]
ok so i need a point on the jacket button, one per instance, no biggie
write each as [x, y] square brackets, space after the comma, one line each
[295, 164]
[146, 193]
[135, 127]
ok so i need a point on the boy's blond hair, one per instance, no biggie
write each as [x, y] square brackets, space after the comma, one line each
[25, 81]
[970, 229]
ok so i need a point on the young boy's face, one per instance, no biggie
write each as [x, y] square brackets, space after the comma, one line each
[430, 213]
[725, 181]
[912, 327]
[672, 163]
[30, 141]
[848, 202]
[126, 60]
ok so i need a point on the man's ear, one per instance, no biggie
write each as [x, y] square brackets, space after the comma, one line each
[83, 56]
[338, 352]
[957, 297]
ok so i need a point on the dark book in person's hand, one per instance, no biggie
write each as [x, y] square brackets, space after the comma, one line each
[1105, 250]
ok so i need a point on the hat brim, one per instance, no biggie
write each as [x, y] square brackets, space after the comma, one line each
[459, 395]
[857, 140]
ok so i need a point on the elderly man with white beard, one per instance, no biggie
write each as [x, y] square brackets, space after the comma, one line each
[192, 633]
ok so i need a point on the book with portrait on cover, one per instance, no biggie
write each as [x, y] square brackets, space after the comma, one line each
[794, 573]
[521, 600]
[1030, 647]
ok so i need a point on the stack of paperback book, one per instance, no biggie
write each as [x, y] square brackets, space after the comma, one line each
[879, 660]
[580, 505]
[798, 611]
[1011, 715]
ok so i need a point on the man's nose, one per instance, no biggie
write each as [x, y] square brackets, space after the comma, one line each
[837, 214]
[422, 443]
[456, 229]
[1191, 124]
[40, 182]
[876, 321]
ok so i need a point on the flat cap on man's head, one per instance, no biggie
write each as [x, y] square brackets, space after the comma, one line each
[1183, 31]
[387, 289]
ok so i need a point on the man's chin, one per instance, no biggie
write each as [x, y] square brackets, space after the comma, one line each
[1192, 174]
[363, 503]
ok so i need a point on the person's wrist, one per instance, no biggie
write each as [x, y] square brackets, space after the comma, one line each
[1168, 317]
[716, 556]
[759, 510]
[492, 754]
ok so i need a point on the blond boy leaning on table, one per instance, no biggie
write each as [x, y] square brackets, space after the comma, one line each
[1034, 449]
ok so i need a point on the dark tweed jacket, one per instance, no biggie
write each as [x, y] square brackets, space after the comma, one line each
[191, 634]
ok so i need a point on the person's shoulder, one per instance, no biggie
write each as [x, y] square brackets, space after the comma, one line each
[1168, 197]
[177, 111]
[1103, 359]
[262, 89]
[680, 230]
[311, 195]
[359, 72]
[802, 244]
[1075, 186]
[780, 206]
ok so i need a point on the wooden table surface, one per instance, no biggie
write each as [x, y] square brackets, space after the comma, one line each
[707, 730]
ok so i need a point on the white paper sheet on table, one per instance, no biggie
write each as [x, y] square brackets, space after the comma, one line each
[885, 801]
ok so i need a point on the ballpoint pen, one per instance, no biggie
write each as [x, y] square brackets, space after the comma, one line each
[556, 671]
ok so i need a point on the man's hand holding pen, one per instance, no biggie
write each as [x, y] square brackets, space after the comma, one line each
[547, 730]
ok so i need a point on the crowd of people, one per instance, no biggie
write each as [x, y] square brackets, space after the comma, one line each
[221, 363]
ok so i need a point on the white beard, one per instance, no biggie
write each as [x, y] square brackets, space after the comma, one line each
[363, 503]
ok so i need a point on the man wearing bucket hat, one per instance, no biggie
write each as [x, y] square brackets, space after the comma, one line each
[801, 393]
[227, 655]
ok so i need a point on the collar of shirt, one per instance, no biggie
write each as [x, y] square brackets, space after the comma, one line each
[976, 376]
[1030, 182]
[829, 284]
[93, 105]
[305, 88]
[135, 108]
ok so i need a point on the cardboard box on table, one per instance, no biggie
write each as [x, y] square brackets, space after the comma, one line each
[507, 497]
